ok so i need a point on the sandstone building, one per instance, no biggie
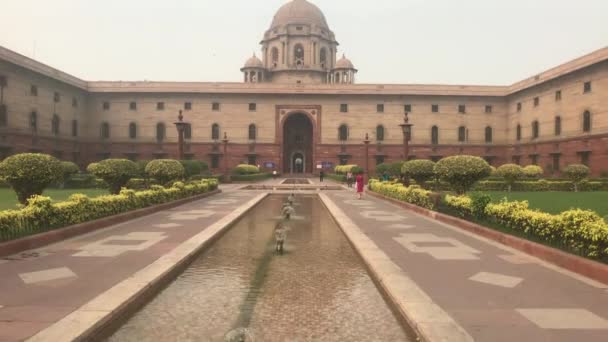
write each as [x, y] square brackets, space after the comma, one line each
[299, 106]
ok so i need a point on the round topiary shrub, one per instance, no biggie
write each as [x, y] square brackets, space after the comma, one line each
[115, 172]
[381, 169]
[30, 173]
[576, 173]
[510, 173]
[68, 169]
[533, 171]
[245, 169]
[193, 167]
[461, 172]
[420, 170]
[165, 170]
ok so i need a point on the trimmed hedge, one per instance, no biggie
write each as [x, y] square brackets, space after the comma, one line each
[43, 215]
[343, 169]
[115, 172]
[336, 177]
[579, 231]
[251, 178]
[245, 169]
[539, 185]
[411, 194]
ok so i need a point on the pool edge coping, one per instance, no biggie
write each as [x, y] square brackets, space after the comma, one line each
[428, 319]
[88, 320]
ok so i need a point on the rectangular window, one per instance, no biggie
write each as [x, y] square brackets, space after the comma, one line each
[462, 109]
[106, 106]
[251, 160]
[74, 128]
[215, 161]
[252, 107]
[519, 106]
[215, 106]
[435, 108]
[74, 102]
[3, 116]
[188, 106]
[379, 160]
[380, 108]
[407, 108]
[534, 159]
[160, 106]
[587, 87]
[57, 97]
[585, 158]
[536, 101]
[2, 81]
[344, 108]
[133, 105]
[488, 109]
[556, 162]
[558, 95]
[33, 90]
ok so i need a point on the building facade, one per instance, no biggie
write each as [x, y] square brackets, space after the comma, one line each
[299, 107]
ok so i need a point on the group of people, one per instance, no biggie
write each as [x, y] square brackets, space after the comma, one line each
[359, 182]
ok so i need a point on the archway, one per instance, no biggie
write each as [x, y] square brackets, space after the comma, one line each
[297, 144]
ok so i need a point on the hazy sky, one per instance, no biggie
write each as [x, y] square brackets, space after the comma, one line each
[389, 41]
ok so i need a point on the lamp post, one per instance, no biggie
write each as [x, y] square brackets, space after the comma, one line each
[406, 127]
[366, 142]
[226, 170]
[181, 126]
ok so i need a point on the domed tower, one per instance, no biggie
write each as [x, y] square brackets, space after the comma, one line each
[299, 47]
[254, 70]
[344, 72]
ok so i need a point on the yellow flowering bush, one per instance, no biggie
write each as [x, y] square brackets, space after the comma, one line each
[412, 194]
[42, 215]
[245, 169]
[343, 169]
[462, 204]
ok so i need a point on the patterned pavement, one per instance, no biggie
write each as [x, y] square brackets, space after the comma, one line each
[492, 291]
[40, 287]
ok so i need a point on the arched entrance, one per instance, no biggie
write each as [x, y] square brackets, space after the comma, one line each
[297, 144]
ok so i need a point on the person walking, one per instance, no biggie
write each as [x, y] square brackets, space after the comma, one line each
[349, 179]
[360, 185]
[321, 175]
[274, 174]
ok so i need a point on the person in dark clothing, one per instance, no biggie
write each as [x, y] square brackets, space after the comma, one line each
[321, 176]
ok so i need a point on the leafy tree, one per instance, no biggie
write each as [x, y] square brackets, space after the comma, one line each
[421, 170]
[461, 172]
[29, 174]
[510, 173]
[165, 170]
[115, 172]
[533, 171]
[576, 173]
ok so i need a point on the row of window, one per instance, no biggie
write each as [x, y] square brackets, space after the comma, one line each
[55, 124]
[558, 96]
[462, 134]
[215, 106]
[557, 128]
[56, 96]
[161, 130]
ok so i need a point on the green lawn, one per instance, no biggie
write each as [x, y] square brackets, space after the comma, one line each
[556, 202]
[8, 200]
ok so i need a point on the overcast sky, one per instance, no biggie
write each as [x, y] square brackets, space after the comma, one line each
[389, 41]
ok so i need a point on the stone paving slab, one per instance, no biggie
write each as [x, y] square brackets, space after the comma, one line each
[493, 292]
[41, 287]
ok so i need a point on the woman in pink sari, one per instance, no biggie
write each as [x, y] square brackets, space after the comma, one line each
[360, 184]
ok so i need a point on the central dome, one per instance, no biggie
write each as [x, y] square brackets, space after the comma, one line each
[299, 12]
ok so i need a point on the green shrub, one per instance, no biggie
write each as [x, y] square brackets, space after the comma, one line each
[479, 202]
[68, 169]
[576, 173]
[533, 171]
[30, 173]
[192, 167]
[245, 169]
[337, 178]
[80, 181]
[510, 173]
[420, 170]
[462, 204]
[141, 168]
[165, 170]
[42, 215]
[381, 169]
[343, 169]
[252, 177]
[461, 172]
[412, 194]
[115, 172]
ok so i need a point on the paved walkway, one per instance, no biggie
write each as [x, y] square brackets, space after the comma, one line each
[40, 287]
[493, 292]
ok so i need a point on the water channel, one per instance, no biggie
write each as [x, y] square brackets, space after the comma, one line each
[240, 289]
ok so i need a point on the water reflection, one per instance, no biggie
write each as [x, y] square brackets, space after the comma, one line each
[318, 290]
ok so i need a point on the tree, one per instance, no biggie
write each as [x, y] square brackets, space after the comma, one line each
[68, 169]
[576, 173]
[115, 172]
[510, 173]
[29, 174]
[533, 171]
[165, 170]
[421, 170]
[461, 172]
